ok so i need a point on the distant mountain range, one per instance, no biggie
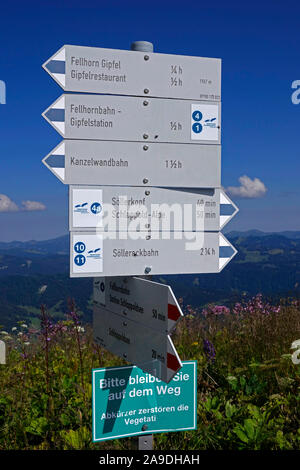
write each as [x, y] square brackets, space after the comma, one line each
[266, 262]
[60, 245]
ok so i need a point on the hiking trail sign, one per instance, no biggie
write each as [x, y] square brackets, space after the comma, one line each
[130, 118]
[152, 209]
[121, 72]
[139, 253]
[113, 163]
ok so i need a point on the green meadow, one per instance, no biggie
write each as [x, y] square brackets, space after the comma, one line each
[248, 384]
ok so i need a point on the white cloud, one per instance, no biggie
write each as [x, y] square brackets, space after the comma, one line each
[248, 188]
[7, 205]
[32, 206]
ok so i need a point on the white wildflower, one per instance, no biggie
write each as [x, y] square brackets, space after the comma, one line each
[14, 328]
[296, 354]
[295, 344]
[80, 329]
[24, 325]
[296, 357]
[4, 333]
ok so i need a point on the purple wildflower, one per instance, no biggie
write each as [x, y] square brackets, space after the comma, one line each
[209, 350]
[74, 317]
[216, 310]
[256, 304]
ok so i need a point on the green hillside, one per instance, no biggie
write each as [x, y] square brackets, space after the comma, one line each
[248, 386]
[268, 263]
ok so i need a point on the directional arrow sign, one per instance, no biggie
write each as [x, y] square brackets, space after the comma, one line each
[156, 209]
[136, 164]
[128, 118]
[139, 253]
[144, 347]
[97, 70]
[150, 303]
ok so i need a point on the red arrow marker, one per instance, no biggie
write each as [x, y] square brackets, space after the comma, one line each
[173, 312]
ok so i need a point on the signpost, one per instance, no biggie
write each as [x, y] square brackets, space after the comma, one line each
[139, 253]
[115, 163]
[142, 156]
[154, 209]
[130, 118]
[128, 402]
[121, 72]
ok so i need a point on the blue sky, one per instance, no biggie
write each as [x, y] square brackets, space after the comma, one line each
[258, 43]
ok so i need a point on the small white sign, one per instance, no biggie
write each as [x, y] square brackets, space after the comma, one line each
[2, 353]
[204, 122]
[87, 208]
[87, 253]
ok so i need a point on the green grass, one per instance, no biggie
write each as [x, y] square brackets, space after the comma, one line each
[276, 251]
[32, 310]
[248, 392]
[253, 257]
[34, 313]
[34, 322]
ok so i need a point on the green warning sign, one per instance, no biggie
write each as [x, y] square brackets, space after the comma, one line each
[129, 402]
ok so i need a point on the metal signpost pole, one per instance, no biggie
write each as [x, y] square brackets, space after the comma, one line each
[145, 442]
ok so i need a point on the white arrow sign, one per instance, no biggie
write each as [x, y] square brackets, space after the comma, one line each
[139, 253]
[144, 347]
[121, 72]
[155, 209]
[128, 118]
[136, 164]
[152, 304]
